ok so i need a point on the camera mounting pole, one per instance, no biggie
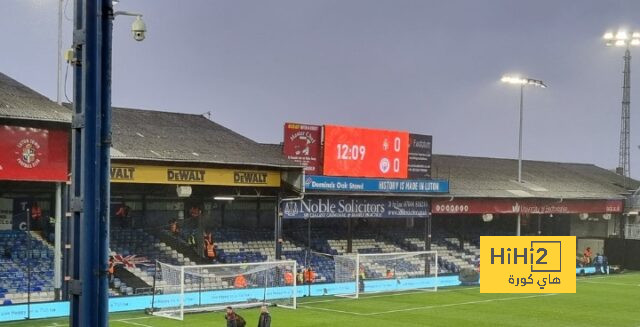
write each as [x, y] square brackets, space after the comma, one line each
[90, 159]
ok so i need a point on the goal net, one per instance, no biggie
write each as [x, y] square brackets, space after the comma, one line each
[386, 272]
[184, 289]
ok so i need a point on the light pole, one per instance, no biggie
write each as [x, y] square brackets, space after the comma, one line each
[622, 39]
[522, 81]
[90, 160]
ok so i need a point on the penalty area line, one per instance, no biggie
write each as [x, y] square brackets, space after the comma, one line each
[364, 297]
[429, 306]
[459, 304]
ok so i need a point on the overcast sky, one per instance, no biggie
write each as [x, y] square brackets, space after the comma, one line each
[424, 66]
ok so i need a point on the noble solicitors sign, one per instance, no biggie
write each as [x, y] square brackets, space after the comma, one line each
[339, 207]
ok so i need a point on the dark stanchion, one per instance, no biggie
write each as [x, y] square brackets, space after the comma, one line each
[153, 291]
[29, 256]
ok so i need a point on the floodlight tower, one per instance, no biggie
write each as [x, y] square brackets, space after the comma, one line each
[522, 82]
[622, 39]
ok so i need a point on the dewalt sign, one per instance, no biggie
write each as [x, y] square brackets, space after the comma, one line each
[193, 176]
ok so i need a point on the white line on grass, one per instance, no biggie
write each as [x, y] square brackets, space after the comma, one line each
[388, 295]
[609, 283]
[446, 289]
[458, 304]
[128, 321]
[430, 306]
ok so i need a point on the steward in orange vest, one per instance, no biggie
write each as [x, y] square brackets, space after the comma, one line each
[240, 282]
[288, 278]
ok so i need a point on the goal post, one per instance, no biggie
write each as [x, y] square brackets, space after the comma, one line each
[362, 273]
[199, 288]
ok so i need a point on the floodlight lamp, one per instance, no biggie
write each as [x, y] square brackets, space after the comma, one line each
[608, 36]
[513, 80]
[635, 42]
[622, 35]
[620, 43]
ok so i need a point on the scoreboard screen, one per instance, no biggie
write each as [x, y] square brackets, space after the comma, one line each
[362, 152]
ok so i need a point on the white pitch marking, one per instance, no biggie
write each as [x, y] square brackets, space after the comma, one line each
[127, 321]
[388, 295]
[134, 323]
[609, 283]
[431, 306]
[462, 303]
[333, 310]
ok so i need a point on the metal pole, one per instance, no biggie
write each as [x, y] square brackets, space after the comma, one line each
[57, 261]
[624, 159]
[67, 239]
[278, 228]
[520, 150]
[539, 225]
[59, 73]
[29, 258]
[90, 162]
[349, 236]
[308, 255]
[104, 169]
[520, 136]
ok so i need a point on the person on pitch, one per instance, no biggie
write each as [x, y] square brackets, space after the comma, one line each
[233, 319]
[265, 318]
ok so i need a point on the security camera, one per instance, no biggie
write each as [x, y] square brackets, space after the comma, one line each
[138, 29]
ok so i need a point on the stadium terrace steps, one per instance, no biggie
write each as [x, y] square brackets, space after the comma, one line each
[135, 250]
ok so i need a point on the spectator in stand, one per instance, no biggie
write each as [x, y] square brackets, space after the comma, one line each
[288, 277]
[207, 238]
[191, 240]
[586, 256]
[598, 262]
[36, 216]
[210, 248]
[122, 215]
[265, 318]
[7, 253]
[240, 282]
[194, 216]
[111, 269]
[309, 275]
[389, 274]
[173, 227]
[300, 277]
[363, 276]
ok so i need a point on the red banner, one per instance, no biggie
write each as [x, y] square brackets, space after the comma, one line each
[360, 152]
[33, 154]
[524, 206]
[303, 144]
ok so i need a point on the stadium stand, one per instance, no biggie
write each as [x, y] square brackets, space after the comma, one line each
[135, 252]
[26, 264]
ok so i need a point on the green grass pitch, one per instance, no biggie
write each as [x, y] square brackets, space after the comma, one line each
[599, 301]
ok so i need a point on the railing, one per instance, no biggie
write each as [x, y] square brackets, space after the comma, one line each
[632, 231]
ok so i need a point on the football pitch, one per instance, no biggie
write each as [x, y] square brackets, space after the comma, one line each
[599, 301]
